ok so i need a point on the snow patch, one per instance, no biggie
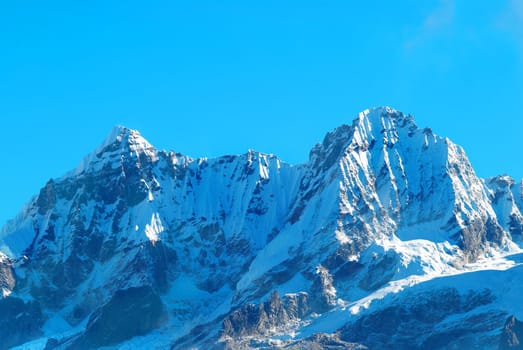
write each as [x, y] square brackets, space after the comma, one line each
[153, 229]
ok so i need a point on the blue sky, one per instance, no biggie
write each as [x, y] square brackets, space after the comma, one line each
[209, 78]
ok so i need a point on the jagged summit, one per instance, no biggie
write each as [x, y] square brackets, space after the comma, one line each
[124, 139]
[373, 124]
[116, 135]
[383, 119]
[122, 142]
[382, 112]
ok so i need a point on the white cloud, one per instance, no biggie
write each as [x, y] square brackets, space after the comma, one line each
[511, 20]
[441, 17]
[517, 7]
[433, 25]
[512, 17]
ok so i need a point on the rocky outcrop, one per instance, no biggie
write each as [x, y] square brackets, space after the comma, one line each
[380, 271]
[322, 291]
[323, 341]
[506, 199]
[265, 318]
[129, 313]
[406, 325]
[512, 335]
[19, 322]
[7, 278]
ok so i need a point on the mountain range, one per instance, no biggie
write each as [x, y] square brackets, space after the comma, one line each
[384, 239]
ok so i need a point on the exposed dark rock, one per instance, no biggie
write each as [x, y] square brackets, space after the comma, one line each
[297, 305]
[323, 294]
[208, 232]
[516, 226]
[263, 318]
[153, 262]
[129, 313]
[7, 276]
[340, 263]
[19, 322]
[512, 335]
[52, 344]
[323, 341]
[475, 236]
[380, 271]
[47, 198]
[470, 332]
[404, 326]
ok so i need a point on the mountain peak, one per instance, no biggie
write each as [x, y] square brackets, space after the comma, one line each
[121, 141]
[385, 220]
[124, 136]
[385, 116]
[380, 110]
[378, 123]
[117, 133]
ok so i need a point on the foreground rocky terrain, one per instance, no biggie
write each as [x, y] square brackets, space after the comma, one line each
[384, 239]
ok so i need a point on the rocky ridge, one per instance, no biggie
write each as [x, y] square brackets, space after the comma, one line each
[248, 251]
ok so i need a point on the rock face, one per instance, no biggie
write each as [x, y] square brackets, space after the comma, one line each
[254, 319]
[130, 312]
[325, 341]
[148, 248]
[512, 335]
[7, 278]
[507, 201]
[403, 326]
[20, 321]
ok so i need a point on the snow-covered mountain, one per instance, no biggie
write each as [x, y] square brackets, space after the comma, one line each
[384, 239]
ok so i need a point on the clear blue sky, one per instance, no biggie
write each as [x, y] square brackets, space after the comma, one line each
[209, 78]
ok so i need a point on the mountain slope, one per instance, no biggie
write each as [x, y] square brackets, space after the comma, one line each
[248, 251]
